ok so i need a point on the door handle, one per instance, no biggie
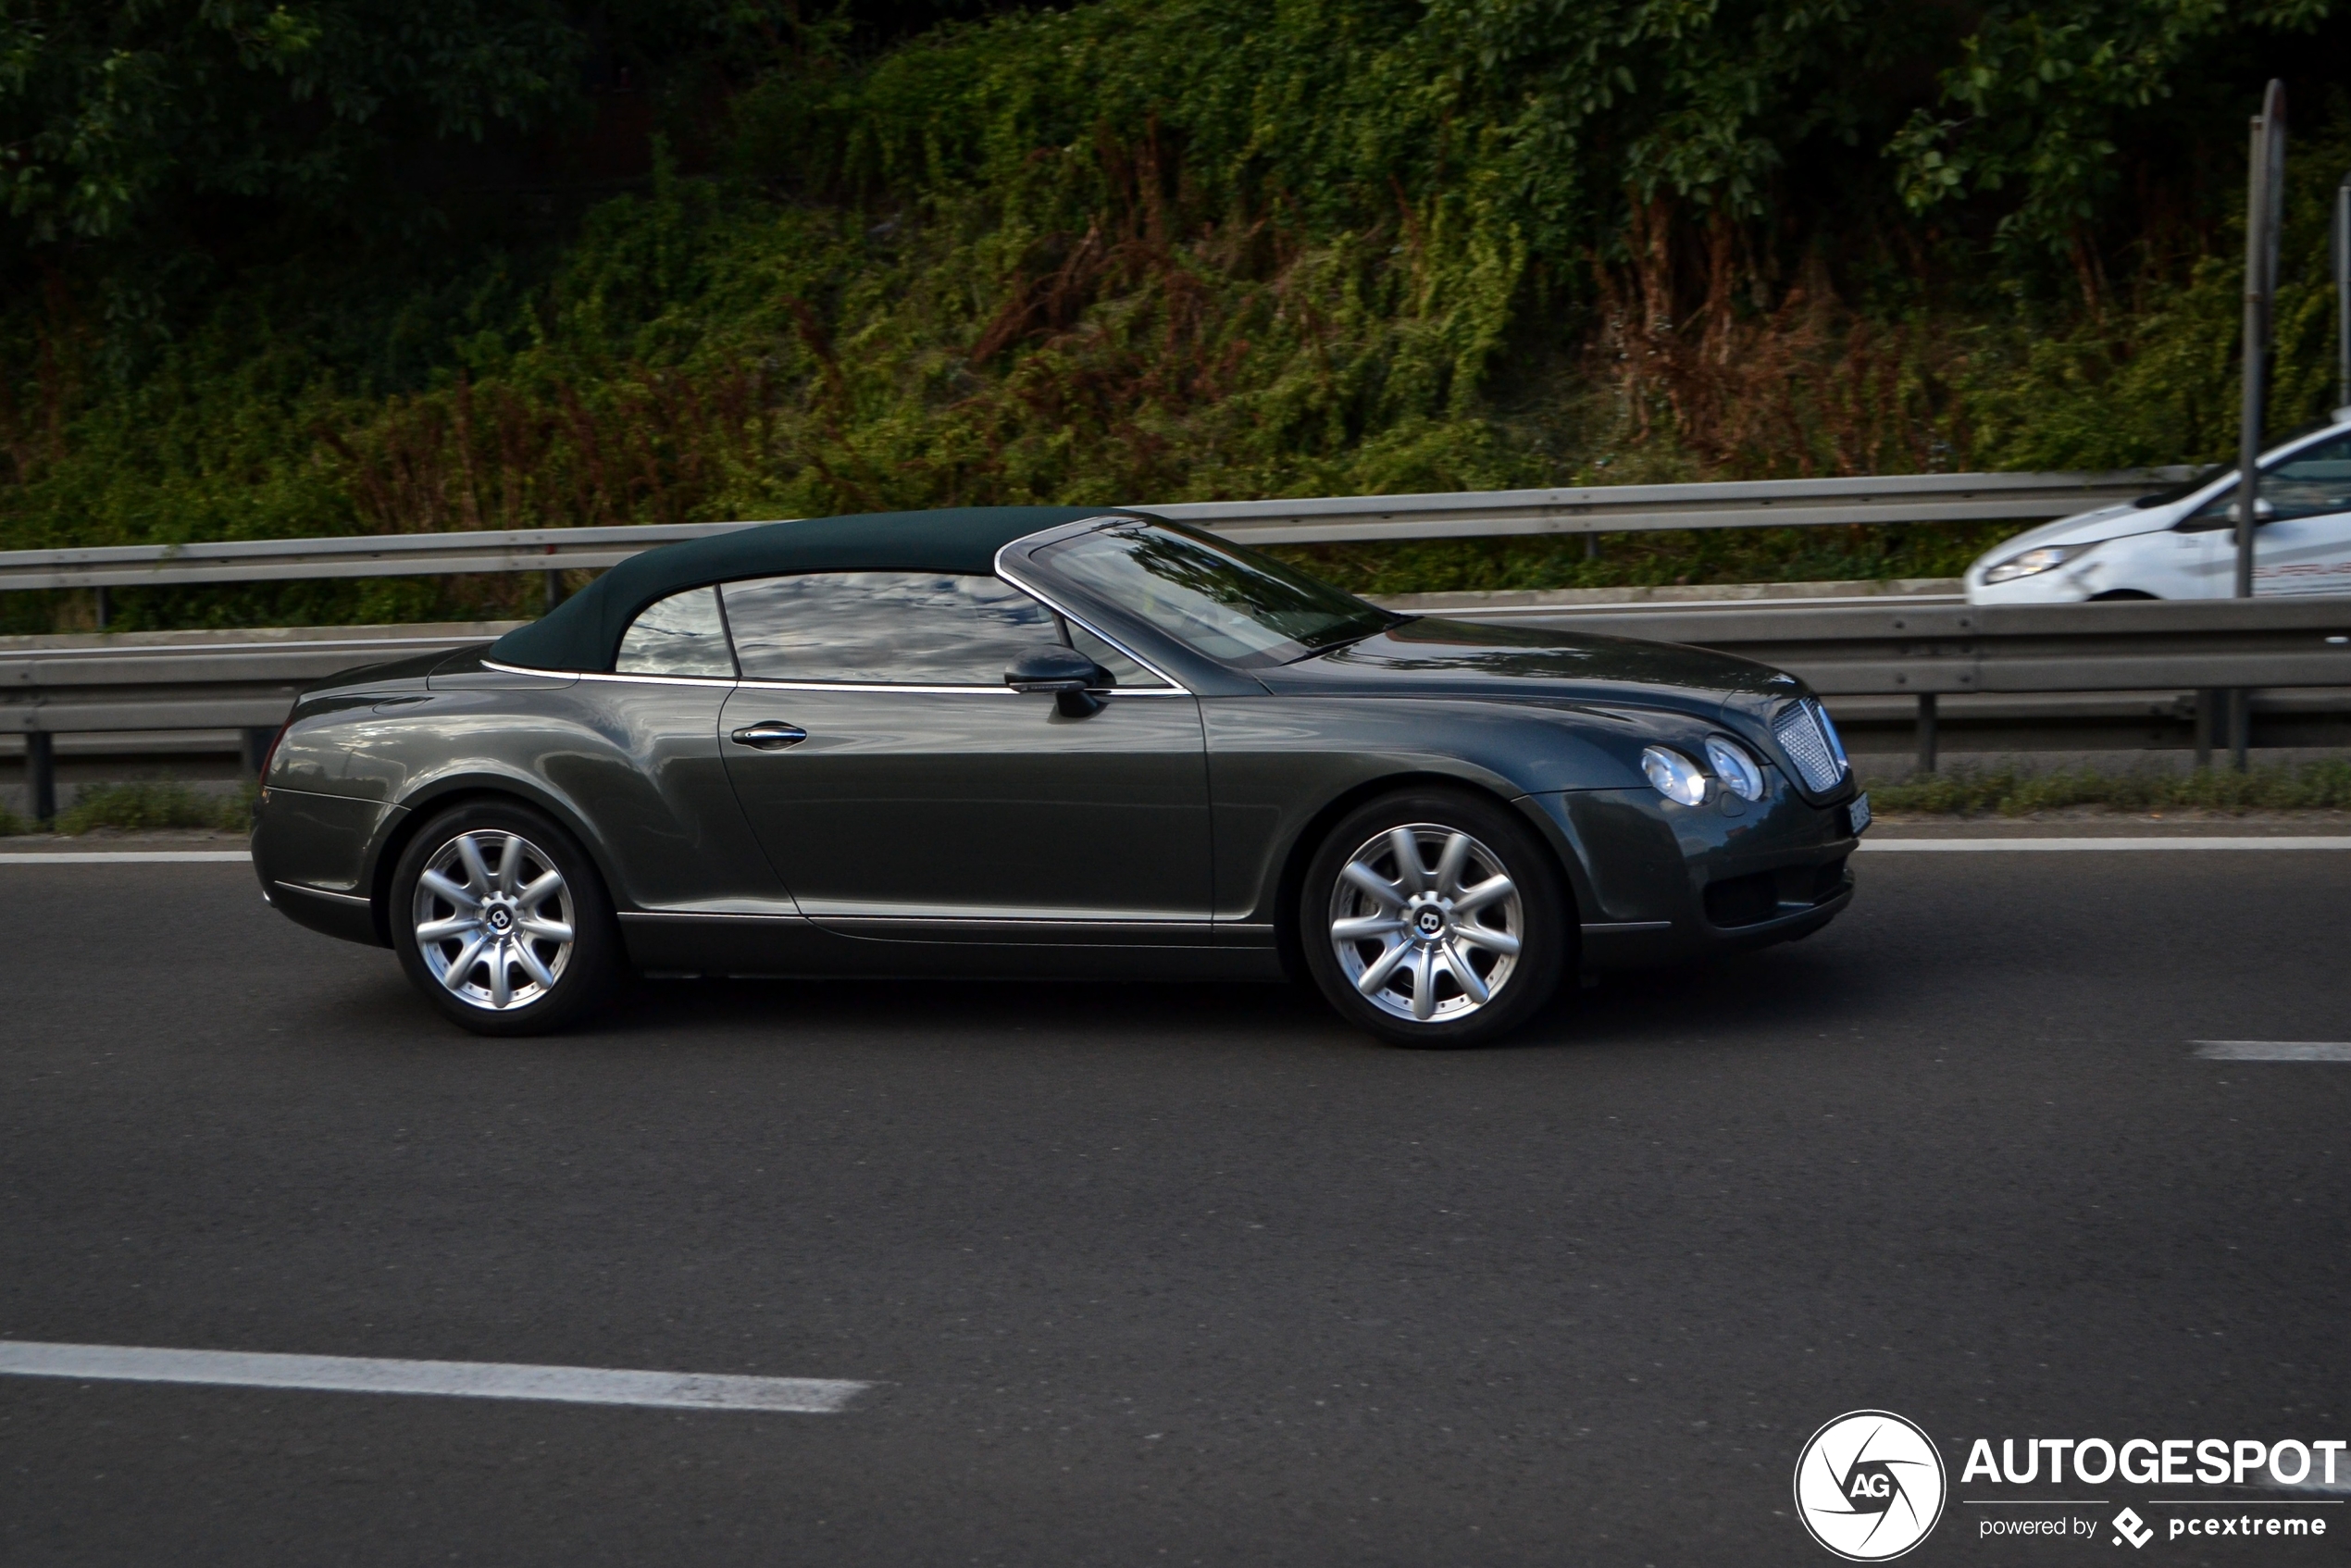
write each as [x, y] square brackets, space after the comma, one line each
[769, 734]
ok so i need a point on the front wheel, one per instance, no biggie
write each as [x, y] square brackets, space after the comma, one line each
[1434, 918]
[501, 920]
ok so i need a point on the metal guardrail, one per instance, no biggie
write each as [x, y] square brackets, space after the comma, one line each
[185, 680]
[1757, 504]
[1914, 651]
[1917, 498]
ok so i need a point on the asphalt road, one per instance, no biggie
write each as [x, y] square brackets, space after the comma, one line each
[1153, 1274]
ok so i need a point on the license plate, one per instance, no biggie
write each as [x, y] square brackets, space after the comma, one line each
[1857, 814]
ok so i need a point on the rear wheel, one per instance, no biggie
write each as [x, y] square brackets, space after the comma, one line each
[1434, 918]
[501, 922]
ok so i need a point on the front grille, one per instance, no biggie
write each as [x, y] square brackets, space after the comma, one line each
[1800, 736]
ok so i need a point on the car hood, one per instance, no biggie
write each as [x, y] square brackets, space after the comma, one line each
[1430, 658]
[2090, 527]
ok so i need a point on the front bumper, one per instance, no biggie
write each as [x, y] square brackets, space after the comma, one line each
[1662, 883]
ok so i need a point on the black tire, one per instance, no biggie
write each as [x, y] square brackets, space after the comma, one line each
[1535, 915]
[584, 971]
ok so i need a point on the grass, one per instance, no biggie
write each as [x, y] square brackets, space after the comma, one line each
[1964, 791]
[145, 804]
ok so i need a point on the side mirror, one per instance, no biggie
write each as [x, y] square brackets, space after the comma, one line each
[1065, 672]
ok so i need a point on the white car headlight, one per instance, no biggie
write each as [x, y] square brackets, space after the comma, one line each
[1675, 777]
[2033, 563]
[1735, 767]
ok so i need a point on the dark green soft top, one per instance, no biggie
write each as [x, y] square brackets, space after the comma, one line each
[584, 631]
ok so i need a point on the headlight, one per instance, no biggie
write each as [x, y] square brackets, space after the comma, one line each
[1734, 767]
[1677, 778]
[2048, 558]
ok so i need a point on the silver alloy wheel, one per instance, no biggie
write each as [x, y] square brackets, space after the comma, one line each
[1426, 922]
[492, 908]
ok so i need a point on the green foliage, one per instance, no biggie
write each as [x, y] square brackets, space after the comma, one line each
[2048, 94]
[111, 116]
[1135, 250]
[11, 824]
[1962, 791]
[143, 805]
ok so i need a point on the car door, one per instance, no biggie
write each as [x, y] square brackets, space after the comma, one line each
[901, 789]
[2302, 546]
[638, 752]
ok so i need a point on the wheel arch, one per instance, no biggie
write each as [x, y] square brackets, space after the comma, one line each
[439, 795]
[1290, 941]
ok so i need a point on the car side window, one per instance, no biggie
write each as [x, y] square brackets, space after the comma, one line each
[680, 635]
[886, 628]
[2314, 483]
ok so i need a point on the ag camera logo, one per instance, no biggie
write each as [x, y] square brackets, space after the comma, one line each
[1870, 1485]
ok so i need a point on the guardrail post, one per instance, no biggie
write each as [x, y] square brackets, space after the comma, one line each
[1926, 731]
[41, 773]
[2207, 724]
[102, 607]
[2240, 726]
[257, 748]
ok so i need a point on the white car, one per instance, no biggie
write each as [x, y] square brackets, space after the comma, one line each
[2181, 543]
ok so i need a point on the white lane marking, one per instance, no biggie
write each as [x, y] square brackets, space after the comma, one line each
[481, 1380]
[2273, 1050]
[120, 857]
[2330, 842]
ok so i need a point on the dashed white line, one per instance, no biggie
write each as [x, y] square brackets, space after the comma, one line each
[479, 1380]
[119, 857]
[2274, 1049]
[1963, 846]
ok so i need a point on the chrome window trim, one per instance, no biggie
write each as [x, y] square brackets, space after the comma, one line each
[1175, 687]
[594, 675]
[762, 684]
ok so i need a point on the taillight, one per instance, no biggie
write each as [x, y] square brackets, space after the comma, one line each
[270, 755]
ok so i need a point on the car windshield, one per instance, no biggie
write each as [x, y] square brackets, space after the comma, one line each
[2185, 488]
[1230, 603]
[2205, 476]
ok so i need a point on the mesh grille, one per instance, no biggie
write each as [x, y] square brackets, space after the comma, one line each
[1800, 736]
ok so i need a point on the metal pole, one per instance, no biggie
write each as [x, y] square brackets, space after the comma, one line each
[2339, 252]
[41, 773]
[2265, 178]
[1926, 731]
[102, 608]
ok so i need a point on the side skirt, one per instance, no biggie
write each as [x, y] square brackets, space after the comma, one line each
[794, 945]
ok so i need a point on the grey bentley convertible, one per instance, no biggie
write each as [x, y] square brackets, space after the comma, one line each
[1040, 741]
